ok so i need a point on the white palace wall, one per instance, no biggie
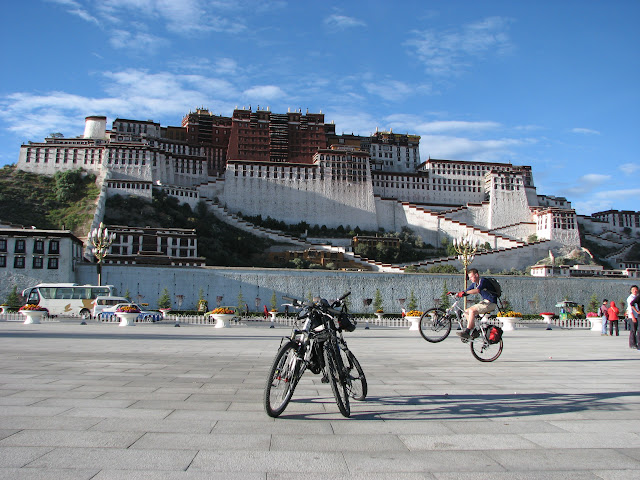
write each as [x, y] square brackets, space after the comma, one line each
[527, 294]
[297, 197]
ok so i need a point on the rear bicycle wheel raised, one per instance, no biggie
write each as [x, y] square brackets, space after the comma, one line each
[434, 325]
[282, 380]
[356, 381]
[333, 363]
[484, 351]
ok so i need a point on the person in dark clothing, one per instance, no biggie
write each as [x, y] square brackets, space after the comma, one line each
[634, 313]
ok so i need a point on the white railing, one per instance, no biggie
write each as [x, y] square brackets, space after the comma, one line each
[390, 322]
[18, 317]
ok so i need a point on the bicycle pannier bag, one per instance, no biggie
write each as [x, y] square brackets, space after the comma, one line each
[494, 335]
[347, 322]
[494, 286]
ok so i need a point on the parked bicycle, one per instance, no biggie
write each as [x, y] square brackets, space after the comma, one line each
[316, 343]
[486, 339]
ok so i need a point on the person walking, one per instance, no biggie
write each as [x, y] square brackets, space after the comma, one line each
[612, 314]
[633, 312]
[602, 312]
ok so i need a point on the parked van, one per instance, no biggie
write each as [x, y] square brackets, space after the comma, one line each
[103, 302]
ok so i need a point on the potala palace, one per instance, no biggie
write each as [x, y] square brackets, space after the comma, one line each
[293, 167]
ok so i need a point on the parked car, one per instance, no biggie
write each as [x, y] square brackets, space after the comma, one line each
[104, 302]
[144, 315]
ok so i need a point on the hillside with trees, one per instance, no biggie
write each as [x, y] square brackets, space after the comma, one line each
[64, 201]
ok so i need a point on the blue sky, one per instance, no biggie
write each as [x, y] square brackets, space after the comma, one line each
[550, 84]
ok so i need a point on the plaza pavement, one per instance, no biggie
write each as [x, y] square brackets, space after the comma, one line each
[153, 401]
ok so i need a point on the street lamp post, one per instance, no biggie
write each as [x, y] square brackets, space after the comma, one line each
[466, 248]
[100, 240]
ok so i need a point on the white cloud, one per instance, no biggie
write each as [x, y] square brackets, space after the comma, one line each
[138, 41]
[264, 92]
[129, 93]
[342, 22]
[75, 8]
[455, 126]
[391, 90]
[585, 131]
[447, 147]
[629, 168]
[594, 178]
[451, 52]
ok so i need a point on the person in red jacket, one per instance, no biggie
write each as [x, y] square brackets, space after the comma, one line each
[612, 316]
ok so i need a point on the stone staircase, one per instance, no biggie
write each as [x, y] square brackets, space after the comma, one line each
[224, 215]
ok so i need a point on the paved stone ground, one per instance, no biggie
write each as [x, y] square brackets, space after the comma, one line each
[157, 402]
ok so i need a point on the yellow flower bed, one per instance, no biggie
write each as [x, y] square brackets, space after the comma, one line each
[414, 313]
[221, 311]
[128, 309]
[510, 313]
[33, 308]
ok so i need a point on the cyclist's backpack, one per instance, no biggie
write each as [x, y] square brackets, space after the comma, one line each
[494, 287]
[494, 334]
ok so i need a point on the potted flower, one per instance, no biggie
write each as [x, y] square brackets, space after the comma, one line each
[508, 319]
[4, 308]
[32, 313]
[379, 313]
[127, 314]
[222, 316]
[547, 316]
[596, 321]
[414, 318]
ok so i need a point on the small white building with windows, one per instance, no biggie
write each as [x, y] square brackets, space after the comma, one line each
[31, 255]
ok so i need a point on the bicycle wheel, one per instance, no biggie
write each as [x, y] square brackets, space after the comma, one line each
[282, 380]
[485, 351]
[434, 325]
[333, 363]
[356, 381]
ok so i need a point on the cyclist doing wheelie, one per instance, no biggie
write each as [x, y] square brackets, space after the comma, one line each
[487, 305]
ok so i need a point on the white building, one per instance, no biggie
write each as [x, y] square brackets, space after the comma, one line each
[41, 255]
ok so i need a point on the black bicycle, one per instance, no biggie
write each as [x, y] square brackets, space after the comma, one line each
[486, 339]
[316, 343]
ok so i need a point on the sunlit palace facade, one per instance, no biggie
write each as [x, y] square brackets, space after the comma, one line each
[294, 167]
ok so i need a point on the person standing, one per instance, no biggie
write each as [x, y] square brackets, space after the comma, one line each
[602, 312]
[612, 314]
[633, 312]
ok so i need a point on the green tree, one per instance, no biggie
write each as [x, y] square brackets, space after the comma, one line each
[127, 294]
[443, 269]
[413, 303]
[68, 184]
[274, 301]
[203, 305]
[165, 300]
[14, 299]
[593, 304]
[377, 300]
[444, 298]
[241, 303]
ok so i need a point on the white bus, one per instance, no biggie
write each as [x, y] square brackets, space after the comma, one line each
[68, 299]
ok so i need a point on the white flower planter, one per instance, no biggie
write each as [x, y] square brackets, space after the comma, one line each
[414, 322]
[596, 324]
[509, 323]
[32, 316]
[127, 319]
[222, 319]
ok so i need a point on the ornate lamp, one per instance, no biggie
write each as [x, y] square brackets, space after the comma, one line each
[100, 240]
[466, 248]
